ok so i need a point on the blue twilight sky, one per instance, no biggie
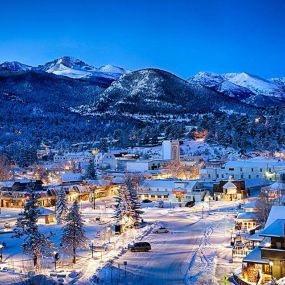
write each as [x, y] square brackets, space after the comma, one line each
[181, 36]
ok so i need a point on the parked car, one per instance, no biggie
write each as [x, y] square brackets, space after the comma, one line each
[146, 201]
[140, 246]
[161, 230]
[190, 204]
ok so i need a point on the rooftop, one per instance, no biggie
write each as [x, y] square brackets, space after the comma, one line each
[255, 257]
[276, 229]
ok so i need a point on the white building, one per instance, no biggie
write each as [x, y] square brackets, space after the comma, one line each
[244, 169]
[143, 165]
[74, 156]
[171, 190]
[171, 150]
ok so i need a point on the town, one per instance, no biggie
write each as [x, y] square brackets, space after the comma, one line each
[220, 220]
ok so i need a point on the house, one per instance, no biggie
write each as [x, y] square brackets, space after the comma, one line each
[263, 262]
[268, 259]
[230, 190]
[46, 216]
[274, 192]
[109, 161]
[14, 193]
[176, 191]
[247, 221]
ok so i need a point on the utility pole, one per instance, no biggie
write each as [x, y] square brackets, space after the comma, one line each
[94, 197]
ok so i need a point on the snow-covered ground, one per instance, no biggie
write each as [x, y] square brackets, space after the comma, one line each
[195, 251]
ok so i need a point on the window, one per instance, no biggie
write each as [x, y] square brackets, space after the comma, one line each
[231, 169]
[260, 169]
[249, 176]
[251, 169]
[241, 176]
[240, 169]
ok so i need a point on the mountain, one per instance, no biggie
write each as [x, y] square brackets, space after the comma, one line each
[157, 92]
[76, 68]
[14, 66]
[245, 87]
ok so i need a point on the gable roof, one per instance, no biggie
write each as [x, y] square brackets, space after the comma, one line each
[276, 229]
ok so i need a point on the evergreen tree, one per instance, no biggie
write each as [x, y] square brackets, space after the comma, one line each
[91, 173]
[61, 206]
[73, 232]
[35, 243]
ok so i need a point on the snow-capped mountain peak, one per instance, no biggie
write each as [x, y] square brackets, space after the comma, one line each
[248, 88]
[14, 66]
[109, 68]
[254, 83]
[76, 68]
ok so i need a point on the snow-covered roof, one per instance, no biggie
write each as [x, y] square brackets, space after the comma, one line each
[276, 229]
[254, 237]
[261, 162]
[247, 216]
[10, 183]
[276, 186]
[276, 212]
[255, 257]
[71, 177]
[229, 185]
[166, 183]
[250, 205]
[44, 211]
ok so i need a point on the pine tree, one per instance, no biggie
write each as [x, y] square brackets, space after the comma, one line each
[134, 203]
[127, 203]
[73, 233]
[35, 243]
[91, 173]
[61, 206]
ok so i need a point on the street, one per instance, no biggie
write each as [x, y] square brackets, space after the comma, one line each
[195, 250]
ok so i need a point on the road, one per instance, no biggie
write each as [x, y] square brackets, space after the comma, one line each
[187, 255]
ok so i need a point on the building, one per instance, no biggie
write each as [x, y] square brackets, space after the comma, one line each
[230, 190]
[84, 156]
[144, 165]
[176, 191]
[274, 192]
[14, 193]
[244, 169]
[268, 259]
[171, 150]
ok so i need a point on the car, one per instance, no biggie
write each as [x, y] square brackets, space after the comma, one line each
[140, 246]
[161, 230]
[146, 201]
[190, 204]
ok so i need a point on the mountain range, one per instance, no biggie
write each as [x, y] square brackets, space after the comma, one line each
[69, 100]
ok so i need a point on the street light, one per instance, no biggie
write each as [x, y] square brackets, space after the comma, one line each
[92, 247]
[56, 257]
[94, 198]
[1, 252]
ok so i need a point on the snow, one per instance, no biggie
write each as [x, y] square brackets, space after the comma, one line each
[204, 241]
[276, 229]
[276, 212]
[195, 251]
[255, 256]
[254, 83]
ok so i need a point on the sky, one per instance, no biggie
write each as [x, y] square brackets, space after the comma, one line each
[181, 36]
